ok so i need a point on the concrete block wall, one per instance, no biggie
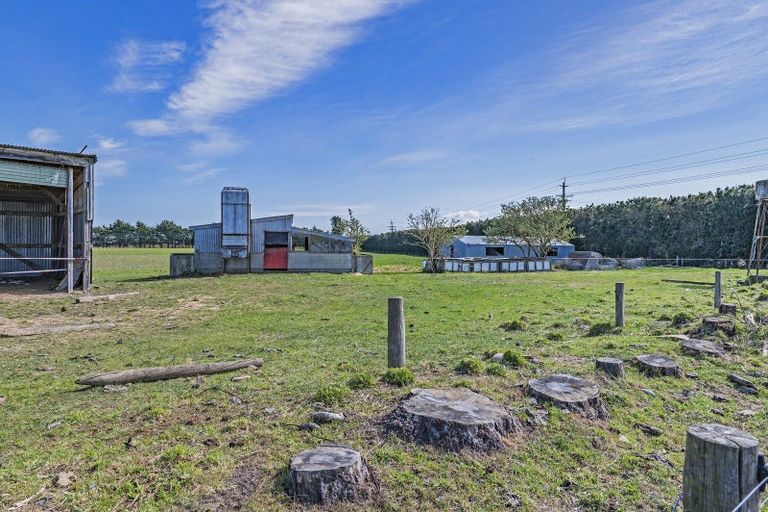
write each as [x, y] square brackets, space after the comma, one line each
[319, 262]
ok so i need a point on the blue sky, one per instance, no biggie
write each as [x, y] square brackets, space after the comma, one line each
[384, 106]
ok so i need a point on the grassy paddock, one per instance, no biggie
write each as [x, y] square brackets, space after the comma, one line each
[169, 445]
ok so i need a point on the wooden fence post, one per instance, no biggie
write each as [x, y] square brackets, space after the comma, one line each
[720, 469]
[396, 333]
[718, 294]
[619, 304]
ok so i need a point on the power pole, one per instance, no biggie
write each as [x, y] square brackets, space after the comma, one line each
[391, 226]
[563, 197]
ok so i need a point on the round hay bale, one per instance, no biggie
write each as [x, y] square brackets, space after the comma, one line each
[654, 365]
[329, 474]
[569, 392]
[696, 347]
[452, 419]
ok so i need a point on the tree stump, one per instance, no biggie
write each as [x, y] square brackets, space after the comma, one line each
[569, 392]
[654, 365]
[716, 323]
[612, 366]
[720, 469]
[452, 419]
[329, 474]
[695, 347]
[727, 309]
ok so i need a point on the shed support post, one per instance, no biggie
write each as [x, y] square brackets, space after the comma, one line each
[70, 229]
[396, 333]
[718, 293]
[619, 304]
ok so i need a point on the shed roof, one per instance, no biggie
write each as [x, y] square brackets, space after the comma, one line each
[484, 240]
[27, 149]
[322, 234]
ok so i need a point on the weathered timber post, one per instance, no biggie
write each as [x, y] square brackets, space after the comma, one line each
[619, 304]
[718, 294]
[720, 469]
[396, 333]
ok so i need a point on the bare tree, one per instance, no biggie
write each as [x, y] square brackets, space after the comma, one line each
[354, 229]
[432, 232]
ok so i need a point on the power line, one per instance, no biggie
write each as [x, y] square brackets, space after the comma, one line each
[682, 179]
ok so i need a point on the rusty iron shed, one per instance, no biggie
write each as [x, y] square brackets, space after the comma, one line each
[46, 216]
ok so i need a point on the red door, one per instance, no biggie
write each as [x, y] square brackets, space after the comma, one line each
[276, 258]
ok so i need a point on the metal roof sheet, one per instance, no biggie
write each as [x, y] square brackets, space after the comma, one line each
[49, 151]
[485, 240]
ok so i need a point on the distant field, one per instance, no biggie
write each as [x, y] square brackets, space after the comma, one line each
[166, 445]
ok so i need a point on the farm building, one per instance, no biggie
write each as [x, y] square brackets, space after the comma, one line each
[46, 216]
[240, 244]
[472, 246]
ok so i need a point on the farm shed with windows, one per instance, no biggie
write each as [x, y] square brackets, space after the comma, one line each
[46, 216]
[472, 246]
[240, 244]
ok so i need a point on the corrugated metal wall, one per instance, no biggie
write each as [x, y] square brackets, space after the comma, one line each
[26, 223]
[33, 174]
[208, 238]
[259, 226]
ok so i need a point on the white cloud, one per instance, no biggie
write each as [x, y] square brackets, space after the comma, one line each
[257, 49]
[465, 215]
[327, 209]
[143, 66]
[108, 143]
[106, 169]
[43, 136]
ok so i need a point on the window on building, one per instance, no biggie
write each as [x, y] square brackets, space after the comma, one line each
[552, 251]
[494, 251]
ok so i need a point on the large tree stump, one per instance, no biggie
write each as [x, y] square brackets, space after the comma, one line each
[452, 419]
[612, 366]
[569, 392]
[654, 365]
[720, 469]
[329, 474]
[695, 347]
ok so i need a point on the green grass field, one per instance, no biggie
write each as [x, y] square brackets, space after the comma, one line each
[170, 445]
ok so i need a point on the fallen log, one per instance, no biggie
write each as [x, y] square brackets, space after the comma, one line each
[165, 372]
[99, 298]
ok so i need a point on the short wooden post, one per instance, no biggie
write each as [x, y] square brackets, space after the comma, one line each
[396, 333]
[619, 304]
[720, 469]
[718, 294]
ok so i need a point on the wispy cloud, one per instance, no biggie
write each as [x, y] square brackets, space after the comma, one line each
[106, 169]
[414, 157]
[143, 66]
[43, 136]
[257, 49]
[108, 143]
[327, 209]
[198, 172]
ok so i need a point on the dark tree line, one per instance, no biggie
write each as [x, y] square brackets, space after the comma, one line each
[711, 225]
[124, 234]
[708, 225]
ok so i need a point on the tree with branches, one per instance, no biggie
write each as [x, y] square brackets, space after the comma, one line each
[431, 231]
[533, 224]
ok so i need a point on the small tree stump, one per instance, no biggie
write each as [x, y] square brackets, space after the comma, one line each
[715, 323]
[569, 392]
[612, 366]
[654, 365]
[720, 469]
[452, 419]
[329, 474]
[727, 309]
[695, 347]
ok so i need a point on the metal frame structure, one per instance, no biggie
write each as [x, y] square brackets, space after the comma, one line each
[48, 226]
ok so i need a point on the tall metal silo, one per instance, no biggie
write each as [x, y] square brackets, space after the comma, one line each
[235, 222]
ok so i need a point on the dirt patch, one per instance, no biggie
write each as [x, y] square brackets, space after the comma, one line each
[244, 482]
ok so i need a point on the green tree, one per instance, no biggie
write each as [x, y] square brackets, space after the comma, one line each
[355, 230]
[144, 235]
[122, 233]
[533, 224]
[337, 225]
